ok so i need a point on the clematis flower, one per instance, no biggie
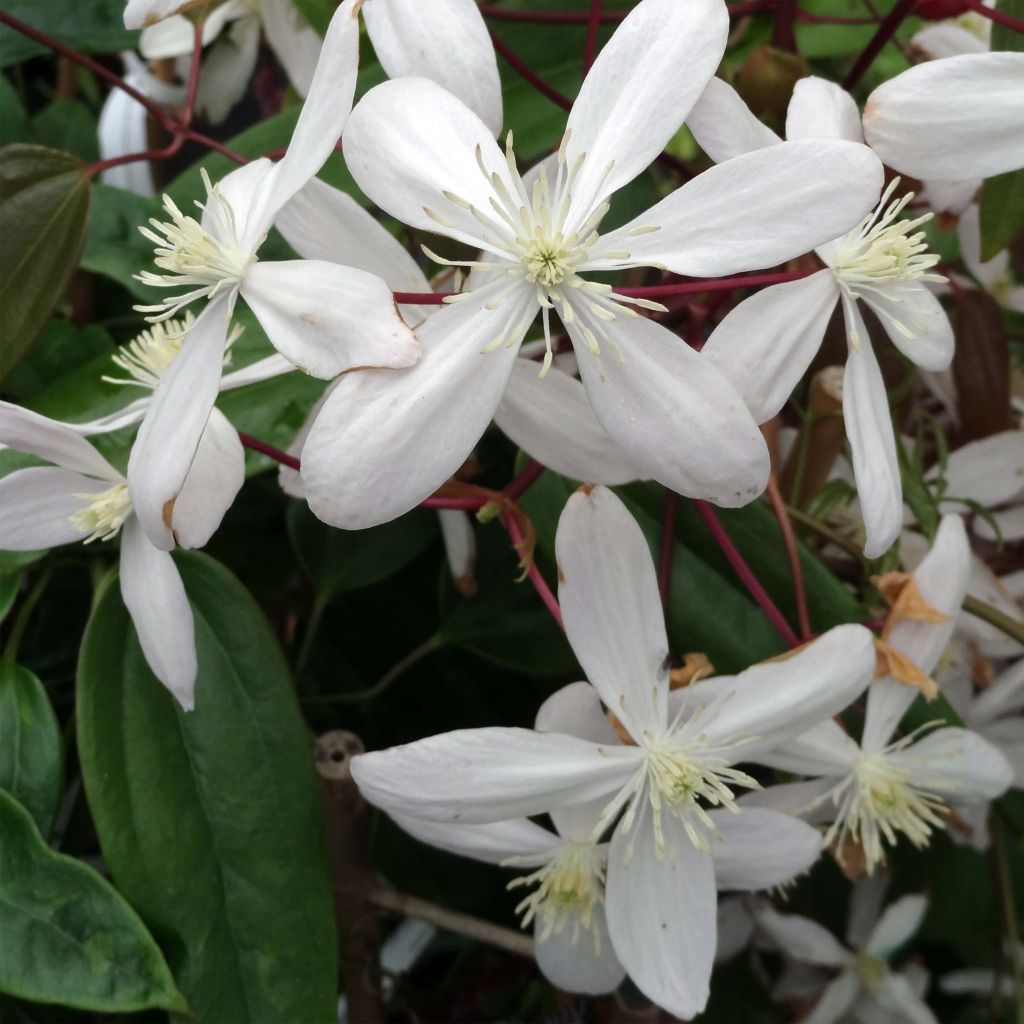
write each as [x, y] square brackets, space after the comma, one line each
[969, 32]
[674, 770]
[866, 989]
[322, 317]
[876, 789]
[84, 498]
[384, 441]
[765, 344]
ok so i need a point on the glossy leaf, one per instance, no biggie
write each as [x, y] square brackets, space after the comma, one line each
[1002, 212]
[67, 936]
[210, 821]
[92, 26]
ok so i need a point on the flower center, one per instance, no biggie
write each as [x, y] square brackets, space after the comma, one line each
[872, 971]
[569, 886]
[104, 513]
[192, 255]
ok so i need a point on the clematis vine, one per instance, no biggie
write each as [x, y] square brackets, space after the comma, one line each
[384, 441]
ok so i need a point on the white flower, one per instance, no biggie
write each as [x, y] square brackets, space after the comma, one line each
[995, 275]
[83, 498]
[765, 344]
[873, 790]
[385, 441]
[969, 32]
[322, 317]
[866, 988]
[982, 982]
[666, 782]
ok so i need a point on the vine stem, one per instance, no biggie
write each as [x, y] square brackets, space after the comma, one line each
[793, 554]
[590, 45]
[886, 30]
[533, 573]
[1000, 17]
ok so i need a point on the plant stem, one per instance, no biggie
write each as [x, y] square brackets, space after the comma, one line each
[1006, 897]
[994, 617]
[792, 552]
[532, 572]
[1000, 17]
[886, 30]
[22, 620]
[590, 46]
[432, 643]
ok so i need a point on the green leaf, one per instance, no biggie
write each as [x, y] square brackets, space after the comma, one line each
[67, 936]
[1002, 212]
[1004, 37]
[70, 126]
[44, 208]
[210, 820]
[31, 749]
[91, 26]
[10, 582]
[14, 125]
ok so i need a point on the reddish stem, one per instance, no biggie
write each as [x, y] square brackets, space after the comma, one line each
[459, 504]
[590, 45]
[784, 26]
[527, 73]
[793, 554]
[532, 572]
[524, 480]
[1000, 17]
[668, 546]
[746, 574]
[541, 17]
[269, 450]
[886, 30]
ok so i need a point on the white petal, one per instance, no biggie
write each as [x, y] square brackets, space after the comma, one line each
[447, 42]
[671, 410]
[759, 848]
[33, 434]
[131, 413]
[897, 925]
[949, 196]
[571, 963]
[139, 13]
[996, 591]
[820, 108]
[1010, 524]
[804, 800]
[962, 117]
[327, 318]
[836, 1000]
[947, 39]
[931, 343]
[866, 900]
[608, 592]
[896, 995]
[215, 477]
[243, 190]
[473, 776]
[171, 37]
[174, 423]
[638, 93]
[227, 69]
[661, 915]
[293, 40]
[989, 471]
[38, 504]
[492, 843]
[825, 749]
[552, 420]
[957, 764]
[290, 479]
[969, 233]
[765, 344]
[155, 598]
[385, 440]
[459, 543]
[735, 928]
[263, 369]
[1004, 696]
[872, 440]
[724, 126]
[408, 142]
[754, 211]
[802, 938]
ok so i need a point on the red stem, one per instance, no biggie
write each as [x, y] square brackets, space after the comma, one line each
[886, 30]
[590, 45]
[526, 72]
[532, 572]
[269, 450]
[523, 481]
[784, 26]
[541, 17]
[746, 574]
[668, 546]
[1001, 18]
[793, 554]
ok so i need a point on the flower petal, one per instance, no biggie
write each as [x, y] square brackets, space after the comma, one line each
[765, 344]
[38, 504]
[611, 608]
[839, 995]
[294, 41]
[263, 369]
[140, 13]
[759, 848]
[897, 996]
[672, 411]
[155, 598]
[661, 914]
[989, 471]
[947, 39]
[1004, 696]
[897, 925]
[638, 93]
[571, 962]
[754, 211]
[820, 108]
[384, 440]
[957, 764]
[724, 125]
[228, 66]
[825, 749]
[474, 776]
[174, 423]
[930, 344]
[802, 938]
[553, 421]
[446, 42]
[33, 434]
[961, 117]
[491, 843]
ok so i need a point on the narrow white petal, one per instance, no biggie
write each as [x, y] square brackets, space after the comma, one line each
[989, 471]
[760, 848]
[38, 504]
[228, 66]
[140, 13]
[724, 125]
[957, 764]
[961, 117]
[897, 925]
[571, 963]
[155, 598]
[131, 413]
[171, 37]
[735, 928]
[263, 369]
[459, 543]
[294, 41]
[1004, 696]
[947, 39]
[820, 108]
[800, 799]
[911, 303]
[33, 434]
[900, 999]
[803, 939]
[491, 843]
[840, 994]
[825, 749]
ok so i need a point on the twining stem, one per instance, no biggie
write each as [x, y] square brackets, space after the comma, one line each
[269, 450]
[532, 572]
[1000, 17]
[784, 26]
[793, 554]
[994, 617]
[668, 547]
[590, 45]
[418, 653]
[22, 620]
[886, 30]
[524, 480]
[528, 74]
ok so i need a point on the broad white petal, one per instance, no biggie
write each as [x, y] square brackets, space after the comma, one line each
[735, 928]
[294, 41]
[969, 233]
[385, 440]
[724, 125]
[290, 479]
[215, 477]
[572, 963]
[872, 440]
[836, 1000]
[492, 843]
[33, 434]
[474, 776]
[171, 37]
[553, 421]
[754, 211]
[765, 344]
[803, 939]
[638, 93]
[759, 848]
[174, 423]
[228, 66]
[447, 42]
[961, 117]
[608, 592]
[140, 13]
[408, 142]
[822, 108]
[155, 598]
[989, 471]
[1004, 696]
[326, 318]
[898, 924]
[957, 764]
[1008, 522]
[825, 749]
[672, 411]
[999, 592]
[805, 800]
[131, 413]
[951, 197]
[661, 914]
[242, 189]
[898, 997]
[866, 900]
[38, 504]
[947, 39]
[931, 341]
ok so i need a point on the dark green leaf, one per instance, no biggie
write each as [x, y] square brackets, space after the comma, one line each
[44, 209]
[1004, 37]
[70, 126]
[91, 26]
[14, 125]
[210, 820]
[10, 582]
[31, 749]
[1002, 212]
[67, 936]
